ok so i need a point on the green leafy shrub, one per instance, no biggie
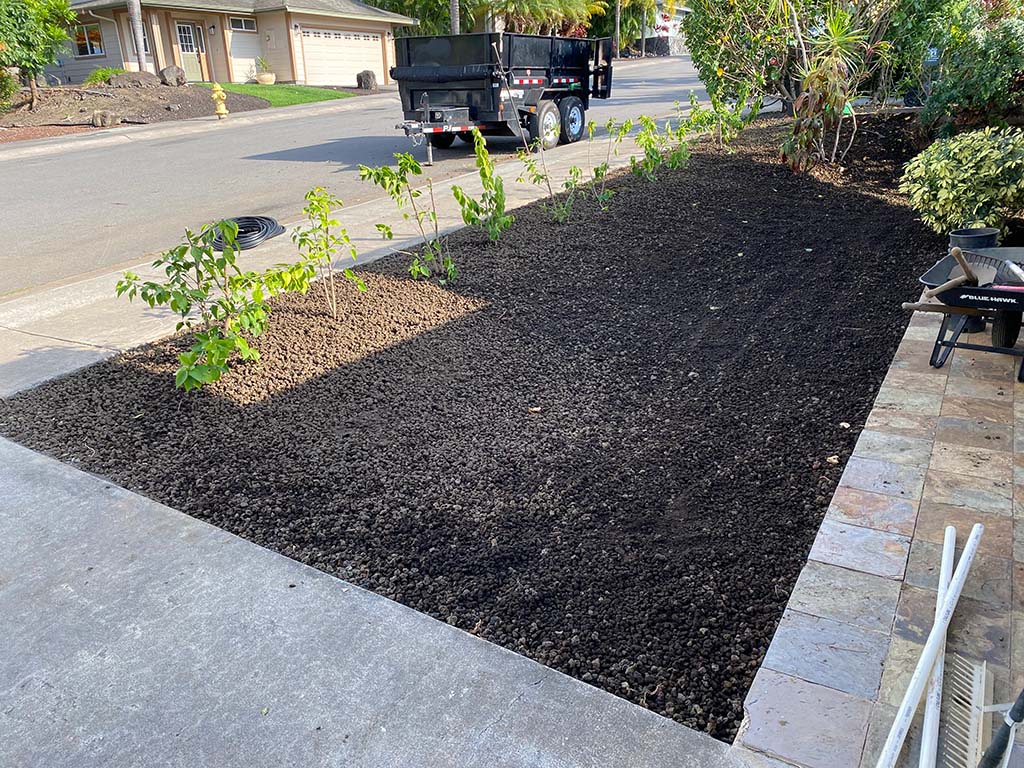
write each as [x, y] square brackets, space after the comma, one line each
[102, 75]
[33, 34]
[670, 147]
[319, 242]
[434, 259]
[974, 179]
[561, 207]
[720, 120]
[982, 79]
[488, 212]
[916, 27]
[616, 133]
[536, 172]
[8, 87]
[208, 291]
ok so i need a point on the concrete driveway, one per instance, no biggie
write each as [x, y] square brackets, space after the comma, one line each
[106, 201]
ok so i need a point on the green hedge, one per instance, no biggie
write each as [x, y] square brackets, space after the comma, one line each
[974, 179]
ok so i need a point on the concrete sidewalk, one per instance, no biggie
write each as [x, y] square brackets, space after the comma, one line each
[51, 332]
[134, 635]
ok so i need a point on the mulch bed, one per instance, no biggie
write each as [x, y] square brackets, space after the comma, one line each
[607, 448]
[74, 105]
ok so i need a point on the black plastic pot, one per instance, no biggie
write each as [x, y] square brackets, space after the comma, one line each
[973, 238]
[975, 325]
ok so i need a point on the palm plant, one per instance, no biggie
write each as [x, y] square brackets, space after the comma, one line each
[839, 54]
[453, 15]
[135, 23]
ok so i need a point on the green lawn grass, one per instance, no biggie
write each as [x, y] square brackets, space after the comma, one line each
[284, 95]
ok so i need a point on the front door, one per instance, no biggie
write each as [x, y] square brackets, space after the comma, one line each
[192, 47]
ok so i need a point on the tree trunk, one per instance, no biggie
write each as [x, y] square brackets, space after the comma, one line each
[135, 22]
[33, 91]
[453, 12]
[618, 27]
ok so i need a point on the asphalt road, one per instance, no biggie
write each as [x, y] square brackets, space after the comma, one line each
[91, 209]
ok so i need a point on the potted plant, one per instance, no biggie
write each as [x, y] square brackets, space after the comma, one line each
[263, 74]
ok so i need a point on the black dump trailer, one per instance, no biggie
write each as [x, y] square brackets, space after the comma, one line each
[501, 83]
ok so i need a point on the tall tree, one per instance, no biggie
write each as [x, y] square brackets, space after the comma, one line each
[453, 15]
[34, 32]
[135, 22]
[618, 26]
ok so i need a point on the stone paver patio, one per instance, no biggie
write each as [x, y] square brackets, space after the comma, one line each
[939, 448]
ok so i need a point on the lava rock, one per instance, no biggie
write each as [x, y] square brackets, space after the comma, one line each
[173, 75]
[104, 118]
[366, 80]
[135, 80]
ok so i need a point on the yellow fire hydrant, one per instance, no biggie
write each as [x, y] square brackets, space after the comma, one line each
[219, 97]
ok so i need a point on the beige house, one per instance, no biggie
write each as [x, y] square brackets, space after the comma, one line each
[316, 42]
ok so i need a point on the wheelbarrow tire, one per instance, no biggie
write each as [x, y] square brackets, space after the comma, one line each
[1006, 328]
[442, 140]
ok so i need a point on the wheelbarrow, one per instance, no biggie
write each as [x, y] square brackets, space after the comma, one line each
[986, 283]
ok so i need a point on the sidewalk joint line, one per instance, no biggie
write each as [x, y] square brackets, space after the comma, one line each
[58, 338]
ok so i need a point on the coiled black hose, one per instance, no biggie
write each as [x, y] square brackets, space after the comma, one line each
[252, 231]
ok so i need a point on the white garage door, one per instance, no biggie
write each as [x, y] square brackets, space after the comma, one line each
[245, 47]
[334, 56]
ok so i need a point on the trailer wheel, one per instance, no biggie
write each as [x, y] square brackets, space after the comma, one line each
[570, 109]
[546, 125]
[442, 140]
[1005, 328]
[465, 136]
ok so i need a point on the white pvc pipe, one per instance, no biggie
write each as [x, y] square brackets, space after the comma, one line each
[936, 638]
[933, 699]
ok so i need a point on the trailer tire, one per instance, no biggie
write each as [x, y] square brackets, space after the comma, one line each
[1005, 328]
[442, 140]
[574, 122]
[546, 125]
[465, 136]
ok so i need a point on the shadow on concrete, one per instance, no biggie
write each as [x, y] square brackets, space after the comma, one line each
[32, 366]
[346, 154]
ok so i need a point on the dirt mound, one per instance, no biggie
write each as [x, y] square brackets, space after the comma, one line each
[74, 105]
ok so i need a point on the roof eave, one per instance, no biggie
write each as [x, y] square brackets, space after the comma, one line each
[389, 18]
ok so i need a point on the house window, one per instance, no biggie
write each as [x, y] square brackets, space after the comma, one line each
[88, 40]
[241, 24]
[145, 38]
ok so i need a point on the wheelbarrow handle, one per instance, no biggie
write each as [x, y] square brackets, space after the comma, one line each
[945, 309]
[956, 282]
[964, 265]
